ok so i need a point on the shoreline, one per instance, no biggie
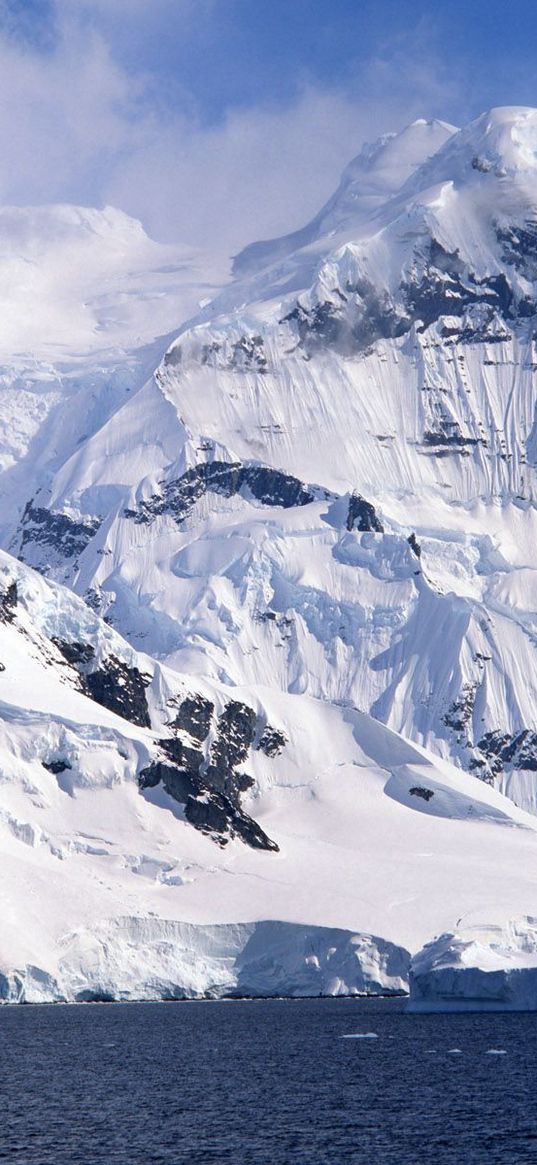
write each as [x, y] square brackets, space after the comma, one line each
[366, 995]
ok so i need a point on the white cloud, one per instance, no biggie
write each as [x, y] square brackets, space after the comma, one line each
[63, 117]
[74, 126]
[262, 172]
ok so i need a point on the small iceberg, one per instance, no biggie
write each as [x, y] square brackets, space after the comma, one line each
[359, 1036]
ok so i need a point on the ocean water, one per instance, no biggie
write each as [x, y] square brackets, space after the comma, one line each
[305, 1082]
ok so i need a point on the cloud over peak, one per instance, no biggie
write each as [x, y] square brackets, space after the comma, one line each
[98, 105]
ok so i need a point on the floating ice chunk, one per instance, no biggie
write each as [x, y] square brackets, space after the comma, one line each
[359, 1036]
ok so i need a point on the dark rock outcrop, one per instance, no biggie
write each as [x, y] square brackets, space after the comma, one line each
[443, 286]
[519, 246]
[268, 486]
[211, 791]
[194, 716]
[448, 433]
[440, 284]
[8, 603]
[217, 814]
[247, 354]
[361, 515]
[497, 752]
[459, 713]
[121, 689]
[79, 655]
[414, 545]
[272, 741]
[179, 783]
[56, 766]
[66, 536]
[235, 735]
[352, 323]
[421, 791]
[114, 685]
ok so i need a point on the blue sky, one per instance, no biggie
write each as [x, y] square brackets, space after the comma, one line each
[222, 120]
[251, 50]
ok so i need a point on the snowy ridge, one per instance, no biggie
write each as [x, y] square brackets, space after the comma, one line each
[370, 179]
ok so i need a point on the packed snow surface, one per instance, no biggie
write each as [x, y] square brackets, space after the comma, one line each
[277, 667]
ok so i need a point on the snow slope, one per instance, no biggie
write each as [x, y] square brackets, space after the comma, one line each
[107, 890]
[308, 518]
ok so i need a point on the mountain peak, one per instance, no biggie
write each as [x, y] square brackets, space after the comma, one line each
[500, 143]
[386, 163]
[509, 135]
[372, 177]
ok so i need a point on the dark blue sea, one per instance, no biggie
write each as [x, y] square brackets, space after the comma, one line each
[265, 1083]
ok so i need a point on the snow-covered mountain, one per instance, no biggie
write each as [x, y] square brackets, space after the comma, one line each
[163, 835]
[308, 520]
[87, 304]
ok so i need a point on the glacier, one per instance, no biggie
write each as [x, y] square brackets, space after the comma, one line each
[268, 588]
[479, 968]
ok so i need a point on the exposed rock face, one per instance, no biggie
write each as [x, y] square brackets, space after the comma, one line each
[448, 432]
[268, 486]
[209, 786]
[362, 515]
[420, 791]
[272, 741]
[351, 323]
[179, 783]
[236, 731]
[459, 714]
[440, 289]
[519, 247]
[442, 285]
[414, 545]
[194, 716]
[247, 354]
[58, 532]
[79, 655]
[121, 689]
[8, 603]
[114, 684]
[498, 751]
[211, 792]
[56, 766]
[243, 355]
[217, 814]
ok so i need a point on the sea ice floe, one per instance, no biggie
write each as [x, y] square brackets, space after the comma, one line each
[360, 1036]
